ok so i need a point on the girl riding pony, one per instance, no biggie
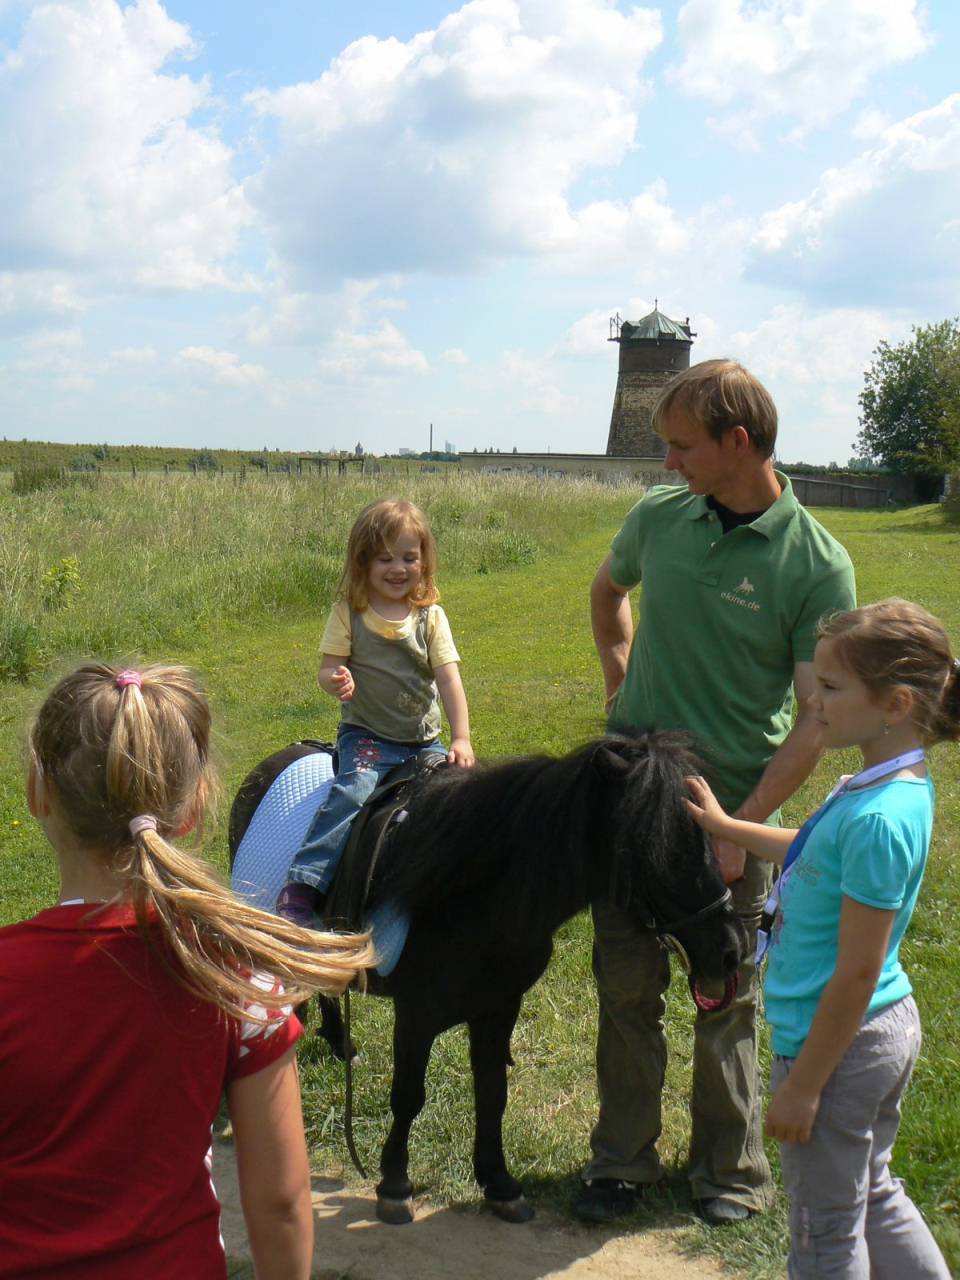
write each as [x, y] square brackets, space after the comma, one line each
[388, 656]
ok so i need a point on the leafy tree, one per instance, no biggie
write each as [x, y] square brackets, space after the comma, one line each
[203, 460]
[910, 405]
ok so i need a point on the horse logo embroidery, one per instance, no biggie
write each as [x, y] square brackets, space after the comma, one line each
[740, 595]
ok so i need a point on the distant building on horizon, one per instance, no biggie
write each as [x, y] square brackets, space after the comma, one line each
[652, 351]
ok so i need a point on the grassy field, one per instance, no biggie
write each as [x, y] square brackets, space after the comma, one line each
[234, 580]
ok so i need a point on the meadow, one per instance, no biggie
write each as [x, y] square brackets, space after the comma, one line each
[234, 579]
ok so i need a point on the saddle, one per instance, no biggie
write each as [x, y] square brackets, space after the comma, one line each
[369, 838]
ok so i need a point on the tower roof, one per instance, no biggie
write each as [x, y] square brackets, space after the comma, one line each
[655, 326]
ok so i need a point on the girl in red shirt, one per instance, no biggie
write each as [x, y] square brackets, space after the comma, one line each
[132, 1006]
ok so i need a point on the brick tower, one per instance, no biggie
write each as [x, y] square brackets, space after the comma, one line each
[652, 351]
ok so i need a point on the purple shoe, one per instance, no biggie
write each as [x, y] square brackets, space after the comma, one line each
[295, 902]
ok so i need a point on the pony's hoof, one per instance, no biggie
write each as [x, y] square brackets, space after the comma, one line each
[517, 1210]
[396, 1213]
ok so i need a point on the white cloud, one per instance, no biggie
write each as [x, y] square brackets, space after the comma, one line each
[587, 336]
[135, 355]
[57, 357]
[105, 178]
[460, 145]
[871, 123]
[224, 366]
[813, 364]
[34, 297]
[536, 385]
[802, 59]
[455, 356]
[880, 230]
[377, 351]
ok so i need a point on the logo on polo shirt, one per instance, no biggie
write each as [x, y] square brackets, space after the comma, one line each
[739, 596]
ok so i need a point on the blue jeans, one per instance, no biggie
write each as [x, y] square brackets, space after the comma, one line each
[363, 761]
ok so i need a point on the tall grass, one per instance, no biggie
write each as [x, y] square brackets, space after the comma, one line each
[159, 559]
[234, 580]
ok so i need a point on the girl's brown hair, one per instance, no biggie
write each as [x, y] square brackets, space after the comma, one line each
[896, 643]
[106, 755]
[374, 530]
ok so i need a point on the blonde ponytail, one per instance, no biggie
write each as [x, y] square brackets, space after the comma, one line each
[128, 755]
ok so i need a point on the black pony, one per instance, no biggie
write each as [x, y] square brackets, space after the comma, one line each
[488, 863]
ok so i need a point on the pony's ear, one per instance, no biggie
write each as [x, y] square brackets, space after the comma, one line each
[609, 765]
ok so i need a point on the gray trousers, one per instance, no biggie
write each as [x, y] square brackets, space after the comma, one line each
[726, 1146]
[849, 1218]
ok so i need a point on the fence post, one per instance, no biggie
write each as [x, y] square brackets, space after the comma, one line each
[133, 469]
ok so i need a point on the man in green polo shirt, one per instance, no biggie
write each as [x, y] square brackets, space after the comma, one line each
[735, 574]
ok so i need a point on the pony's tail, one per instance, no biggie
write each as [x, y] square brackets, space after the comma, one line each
[220, 944]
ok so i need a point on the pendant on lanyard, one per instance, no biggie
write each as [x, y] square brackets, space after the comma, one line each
[859, 780]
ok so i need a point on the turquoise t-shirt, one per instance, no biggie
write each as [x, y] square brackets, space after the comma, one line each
[870, 845]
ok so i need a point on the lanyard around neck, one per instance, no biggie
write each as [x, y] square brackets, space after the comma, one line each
[859, 780]
[866, 776]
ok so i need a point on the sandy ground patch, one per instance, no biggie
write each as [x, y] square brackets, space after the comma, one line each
[446, 1244]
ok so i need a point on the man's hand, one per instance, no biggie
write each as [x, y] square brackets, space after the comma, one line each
[731, 859]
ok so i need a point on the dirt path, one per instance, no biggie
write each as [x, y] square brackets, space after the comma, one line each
[444, 1244]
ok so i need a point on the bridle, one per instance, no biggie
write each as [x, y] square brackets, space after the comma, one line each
[666, 932]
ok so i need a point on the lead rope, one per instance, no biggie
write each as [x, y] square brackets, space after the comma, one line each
[348, 1089]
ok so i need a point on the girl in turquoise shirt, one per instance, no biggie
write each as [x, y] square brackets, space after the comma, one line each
[845, 1028]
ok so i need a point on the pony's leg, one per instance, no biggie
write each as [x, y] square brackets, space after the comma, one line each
[412, 1042]
[489, 1055]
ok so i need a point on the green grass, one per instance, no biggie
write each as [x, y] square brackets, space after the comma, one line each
[171, 573]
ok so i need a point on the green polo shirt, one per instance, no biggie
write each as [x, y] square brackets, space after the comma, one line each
[723, 620]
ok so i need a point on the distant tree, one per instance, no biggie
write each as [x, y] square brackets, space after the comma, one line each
[203, 460]
[910, 406]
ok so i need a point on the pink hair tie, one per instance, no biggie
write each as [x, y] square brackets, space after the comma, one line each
[143, 822]
[129, 677]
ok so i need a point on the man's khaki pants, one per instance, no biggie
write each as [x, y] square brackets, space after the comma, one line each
[726, 1147]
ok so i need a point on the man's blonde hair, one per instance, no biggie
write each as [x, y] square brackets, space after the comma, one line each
[720, 394]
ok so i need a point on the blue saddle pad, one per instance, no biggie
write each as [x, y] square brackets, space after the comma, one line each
[276, 832]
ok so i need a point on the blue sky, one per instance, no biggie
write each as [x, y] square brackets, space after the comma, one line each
[309, 224]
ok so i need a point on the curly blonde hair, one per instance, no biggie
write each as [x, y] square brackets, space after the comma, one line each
[374, 530]
[106, 754]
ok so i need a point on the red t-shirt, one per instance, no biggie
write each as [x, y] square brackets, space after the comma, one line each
[111, 1075]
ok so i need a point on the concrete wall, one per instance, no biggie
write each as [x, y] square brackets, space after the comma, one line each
[812, 491]
[596, 466]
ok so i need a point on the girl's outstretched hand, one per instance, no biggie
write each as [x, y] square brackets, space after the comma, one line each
[461, 753]
[704, 807]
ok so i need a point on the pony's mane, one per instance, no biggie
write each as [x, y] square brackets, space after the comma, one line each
[528, 821]
[653, 814]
